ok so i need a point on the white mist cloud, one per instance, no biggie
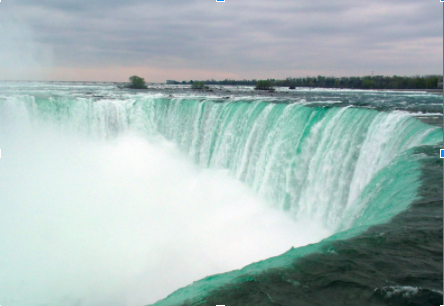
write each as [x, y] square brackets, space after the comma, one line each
[22, 56]
[123, 222]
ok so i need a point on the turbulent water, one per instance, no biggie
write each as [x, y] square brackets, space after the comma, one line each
[114, 197]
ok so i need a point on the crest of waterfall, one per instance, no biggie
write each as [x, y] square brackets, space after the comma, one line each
[315, 163]
[344, 168]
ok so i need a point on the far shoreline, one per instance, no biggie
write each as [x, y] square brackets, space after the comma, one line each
[161, 86]
[231, 89]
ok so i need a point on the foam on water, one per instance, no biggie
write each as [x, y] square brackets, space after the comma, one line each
[124, 198]
[123, 222]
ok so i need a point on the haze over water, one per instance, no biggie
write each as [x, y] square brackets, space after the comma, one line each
[119, 197]
[121, 222]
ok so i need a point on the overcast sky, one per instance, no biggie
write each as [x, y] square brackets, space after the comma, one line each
[109, 40]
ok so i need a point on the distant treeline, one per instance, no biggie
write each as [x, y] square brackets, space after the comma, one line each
[365, 82]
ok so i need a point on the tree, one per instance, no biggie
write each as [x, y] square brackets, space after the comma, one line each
[198, 85]
[364, 82]
[137, 82]
[432, 82]
[264, 85]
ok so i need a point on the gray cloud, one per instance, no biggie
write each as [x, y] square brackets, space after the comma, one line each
[245, 38]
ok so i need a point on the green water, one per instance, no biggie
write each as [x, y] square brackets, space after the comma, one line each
[347, 168]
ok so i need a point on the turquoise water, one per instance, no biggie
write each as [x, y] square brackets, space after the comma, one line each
[345, 167]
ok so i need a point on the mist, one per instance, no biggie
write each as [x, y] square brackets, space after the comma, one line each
[23, 56]
[123, 221]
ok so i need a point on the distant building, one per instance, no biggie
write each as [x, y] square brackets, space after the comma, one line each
[172, 82]
[439, 84]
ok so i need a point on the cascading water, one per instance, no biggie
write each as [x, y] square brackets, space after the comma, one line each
[342, 168]
[312, 162]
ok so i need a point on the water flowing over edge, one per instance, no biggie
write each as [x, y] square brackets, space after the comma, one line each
[347, 168]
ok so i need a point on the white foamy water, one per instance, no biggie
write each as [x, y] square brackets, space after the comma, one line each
[97, 207]
[122, 222]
